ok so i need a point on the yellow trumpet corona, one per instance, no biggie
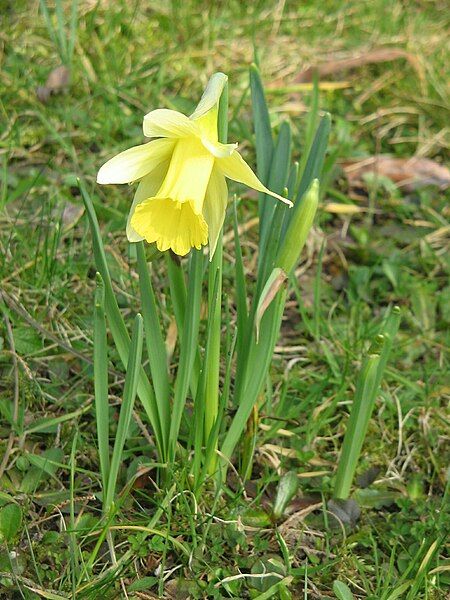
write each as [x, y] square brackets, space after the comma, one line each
[181, 198]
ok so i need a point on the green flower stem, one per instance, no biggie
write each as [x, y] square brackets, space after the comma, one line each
[214, 309]
[156, 349]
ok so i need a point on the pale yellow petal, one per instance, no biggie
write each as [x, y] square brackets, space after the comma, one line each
[136, 162]
[234, 167]
[147, 188]
[171, 225]
[217, 149]
[215, 207]
[169, 124]
[205, 115]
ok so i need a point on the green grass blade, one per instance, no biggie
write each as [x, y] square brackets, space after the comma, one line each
[49, 25]
[101, 381]
[263, 135]
[72, 30]
[129, 395]
[117, 325]
[60, 30]
[156, 348]
[189, 347]
[74, 547]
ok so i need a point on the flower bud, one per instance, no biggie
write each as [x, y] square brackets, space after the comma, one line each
[298, 229]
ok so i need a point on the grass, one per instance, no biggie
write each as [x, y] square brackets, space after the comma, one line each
[126, 60]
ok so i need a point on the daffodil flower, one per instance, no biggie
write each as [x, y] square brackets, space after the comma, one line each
[181, 198]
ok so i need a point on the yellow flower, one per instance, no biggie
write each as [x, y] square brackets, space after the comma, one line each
[181, 198]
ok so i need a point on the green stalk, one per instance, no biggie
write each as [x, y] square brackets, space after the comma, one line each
[214, 306]
[188, 349]
[101, 382]
[178, 294]
[156, 348]
[129, 395]
[198, 432]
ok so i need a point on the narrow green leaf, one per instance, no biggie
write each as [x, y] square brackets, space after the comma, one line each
[259, 359]
[129, 395]
[274, 211]
[367, 389]
[316, 157]
[311, 124]
[313, 167]
[241, 289]
[361, 411]
[263, 134]
[117, 325]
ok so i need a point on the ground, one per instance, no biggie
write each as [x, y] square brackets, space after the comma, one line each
[380, 246]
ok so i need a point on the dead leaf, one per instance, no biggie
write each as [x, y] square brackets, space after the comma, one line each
[380, 55]
[345, 511]
[343, 209]
[407, 173]
[57, 81]
[72, 213]
[171, 339]
[368, 477]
